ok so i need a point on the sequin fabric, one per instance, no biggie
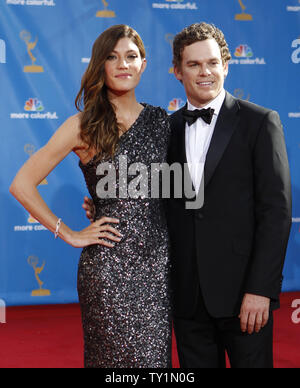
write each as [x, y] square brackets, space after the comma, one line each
[124, 291]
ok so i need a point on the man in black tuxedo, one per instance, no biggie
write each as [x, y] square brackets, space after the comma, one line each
[228, 256]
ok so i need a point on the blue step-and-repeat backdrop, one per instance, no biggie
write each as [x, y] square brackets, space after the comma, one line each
[45, 46]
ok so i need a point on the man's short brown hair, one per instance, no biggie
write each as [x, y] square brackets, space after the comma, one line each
[196, 33]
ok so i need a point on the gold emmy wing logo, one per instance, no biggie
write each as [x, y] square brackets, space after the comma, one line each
[30, 150]
[170, 39]
[243, 16]
[106, 13]
[33, 68]
[33, 262]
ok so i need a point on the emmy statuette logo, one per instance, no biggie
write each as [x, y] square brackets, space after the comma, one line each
[170, 39]
[33, 68]
[2, 51]
[33, 261]
[243, 16]
[105, 13]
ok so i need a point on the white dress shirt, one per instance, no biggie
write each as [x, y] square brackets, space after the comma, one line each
[197, 139]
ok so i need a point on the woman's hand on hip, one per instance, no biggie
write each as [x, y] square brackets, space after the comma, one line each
[97, 234]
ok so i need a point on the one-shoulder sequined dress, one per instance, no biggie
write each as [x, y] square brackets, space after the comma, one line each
[124, 291]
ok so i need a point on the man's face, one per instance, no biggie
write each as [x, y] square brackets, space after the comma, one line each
[202, 72]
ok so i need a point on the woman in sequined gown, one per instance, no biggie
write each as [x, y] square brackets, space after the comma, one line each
[124, 291]
[123, 276]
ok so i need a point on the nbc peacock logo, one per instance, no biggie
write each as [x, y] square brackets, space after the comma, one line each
[34, 109]
[175, 105]
[33, 105]
[244, 55]
[243, 51]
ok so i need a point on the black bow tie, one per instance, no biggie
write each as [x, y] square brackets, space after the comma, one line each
[191, 116]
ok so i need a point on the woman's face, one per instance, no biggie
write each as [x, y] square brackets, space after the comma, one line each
[124, 67]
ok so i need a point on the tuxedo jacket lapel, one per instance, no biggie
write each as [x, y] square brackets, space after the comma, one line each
[179, 150]
[226, 125]
[178, 133]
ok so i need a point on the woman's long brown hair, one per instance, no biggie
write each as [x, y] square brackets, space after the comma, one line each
[99, 126]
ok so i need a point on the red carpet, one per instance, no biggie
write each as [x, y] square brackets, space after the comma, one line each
[51, 337]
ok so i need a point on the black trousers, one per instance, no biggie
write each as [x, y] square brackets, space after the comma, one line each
[203, 340]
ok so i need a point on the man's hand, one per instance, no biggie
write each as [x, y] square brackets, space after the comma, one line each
[255, 313]
[89, 208]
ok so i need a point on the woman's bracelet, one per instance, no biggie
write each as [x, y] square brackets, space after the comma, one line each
[57, 228]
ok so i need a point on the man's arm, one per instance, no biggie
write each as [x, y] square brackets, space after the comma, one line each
[273, 211]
